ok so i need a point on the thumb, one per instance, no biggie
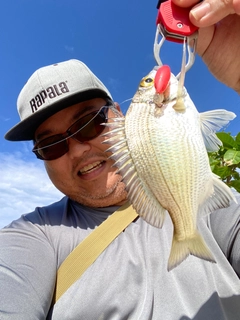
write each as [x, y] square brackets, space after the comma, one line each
[210, 12]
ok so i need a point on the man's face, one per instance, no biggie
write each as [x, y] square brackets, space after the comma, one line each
[84, 173]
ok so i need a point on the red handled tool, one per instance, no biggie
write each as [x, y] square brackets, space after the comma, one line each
[173, 24]
[174, 21]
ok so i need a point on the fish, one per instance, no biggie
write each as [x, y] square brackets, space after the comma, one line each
[160, 150]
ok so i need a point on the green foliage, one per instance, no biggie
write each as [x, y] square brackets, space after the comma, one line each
[226, 161]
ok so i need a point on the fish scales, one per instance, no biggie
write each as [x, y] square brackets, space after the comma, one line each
[158, 167]
[164, 164]
[140, 150]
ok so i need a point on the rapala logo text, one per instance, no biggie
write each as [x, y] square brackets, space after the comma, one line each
[51, 93]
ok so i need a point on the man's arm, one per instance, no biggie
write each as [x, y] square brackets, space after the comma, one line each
[27, 272]
[225, 226]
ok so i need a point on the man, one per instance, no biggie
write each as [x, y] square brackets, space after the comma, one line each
[129, 280]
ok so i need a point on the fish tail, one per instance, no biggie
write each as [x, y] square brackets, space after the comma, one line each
[194, 245]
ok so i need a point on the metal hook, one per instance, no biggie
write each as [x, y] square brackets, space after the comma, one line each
[190, 40]
[157, 45]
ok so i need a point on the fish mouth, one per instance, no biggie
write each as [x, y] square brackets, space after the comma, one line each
[90, 167]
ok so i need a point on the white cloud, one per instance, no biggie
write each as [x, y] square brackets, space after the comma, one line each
[3, 118]
[24, 185]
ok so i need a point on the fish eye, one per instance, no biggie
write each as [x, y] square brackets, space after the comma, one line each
[149, 80]
[146, 82]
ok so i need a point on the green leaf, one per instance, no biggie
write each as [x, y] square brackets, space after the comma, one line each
[213, 161]
[238, 140]
[227, 140]
[236, 175]
[232, 157]
[235, 184]
[226, 161]
[222, 172]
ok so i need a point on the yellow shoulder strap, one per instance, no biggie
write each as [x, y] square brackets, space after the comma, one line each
[91, 247]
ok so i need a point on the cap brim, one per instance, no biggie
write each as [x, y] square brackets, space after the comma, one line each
[25, 129]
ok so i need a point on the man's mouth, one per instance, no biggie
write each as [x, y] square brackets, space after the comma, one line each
[90, 167]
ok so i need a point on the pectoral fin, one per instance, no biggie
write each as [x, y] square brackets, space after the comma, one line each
[211, 122]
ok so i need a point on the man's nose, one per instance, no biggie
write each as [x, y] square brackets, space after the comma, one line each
[76, 148]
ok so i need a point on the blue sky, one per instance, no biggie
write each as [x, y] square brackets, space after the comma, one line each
[115, 39]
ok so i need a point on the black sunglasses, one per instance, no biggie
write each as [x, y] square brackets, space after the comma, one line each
[84, 129]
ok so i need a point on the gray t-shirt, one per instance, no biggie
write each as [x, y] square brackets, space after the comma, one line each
[129, 280]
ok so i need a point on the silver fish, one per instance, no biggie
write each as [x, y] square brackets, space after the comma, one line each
[160, 151]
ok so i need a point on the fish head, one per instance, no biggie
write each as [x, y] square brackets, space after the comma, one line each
[160, 89]
[146, 92]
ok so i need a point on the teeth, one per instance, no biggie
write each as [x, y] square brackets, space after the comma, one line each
[90, 167]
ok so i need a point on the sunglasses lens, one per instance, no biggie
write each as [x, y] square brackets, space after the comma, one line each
[90, 127]
[50, 148]
[85, 129]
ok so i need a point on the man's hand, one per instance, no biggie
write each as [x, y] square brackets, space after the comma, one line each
[219, 37]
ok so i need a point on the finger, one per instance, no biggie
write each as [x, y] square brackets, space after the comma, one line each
[210, 12]
[185, 3]
[204, 39]
[236, 6]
